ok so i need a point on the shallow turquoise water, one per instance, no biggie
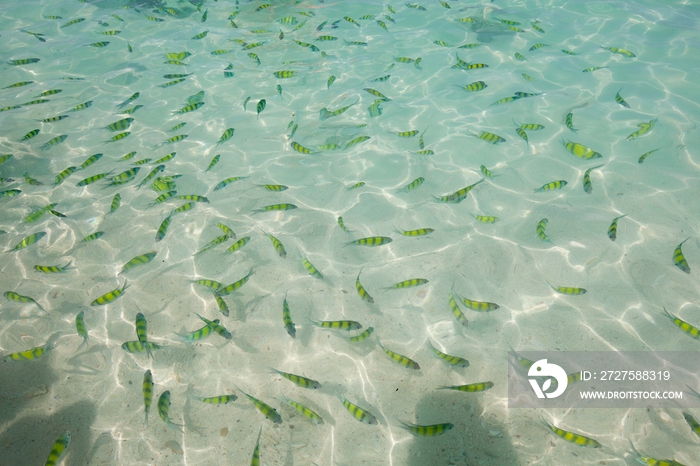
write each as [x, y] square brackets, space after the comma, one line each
[95, 392]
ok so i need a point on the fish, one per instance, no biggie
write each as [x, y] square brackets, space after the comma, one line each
[521, 132]
[213, 162]
[124, 177]
[116, 202]
[59, 449]
[612, 229]
[620, 100]
[537, 46]
[279, 247]
[476, 86]
[362, 336]
[23, 61]
[213, 243]
[284, 74]
[37, 214]
[342, 226]
[81, 328]
[330, 82]
[358, 413]
[375, 109]
[572, 437]
[644, 156]
[594, 68]
[228, 181]
[624, 52]
[361, 290]
[141, 332]
[581, 151]
[18, 298]
[275, 187]
[163, 228]
[426, 431]
[313, 271]
[54, 141]
[227, 290]
[199, 334]
[457, 312]
[120, 124]
[325, 113]
[371, 241]
[346, 325]
[687, 328]
[89, 161]
[485, 218]
[459, 195]
[412, 185]
[152, 174]
[92, 237]
[679, 259]
[287, 319]
[110, 296]
[118, 137]
[189, 108]
[9, 193]
[53, 268]
[454, 361]
[218, 328]
[261, 106]
[301, 149]
[410, 283]
[268, 411]
[19, 84]
[528, 77]
[32, 181]
[216, 400]
[587, 185]
[306, 412]
[163, 411]
[61, 177]
[138, 260]
[399, 358]
[302, 382]
[309, 46]
[211, 284]
[470, 388]
[28, 241]
[553, 185]
[478, 306]
[238, 244]
[694, 425]
[99, 44]
[568, 290]
[541, 225]
[29, 135]
[535, 26]
[165, 158]
[255, 460]
[30, 354]
[644, 128]
[490, 137]
[254, 56]
[276, 207]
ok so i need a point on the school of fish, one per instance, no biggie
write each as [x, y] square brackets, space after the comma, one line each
[95, 191]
